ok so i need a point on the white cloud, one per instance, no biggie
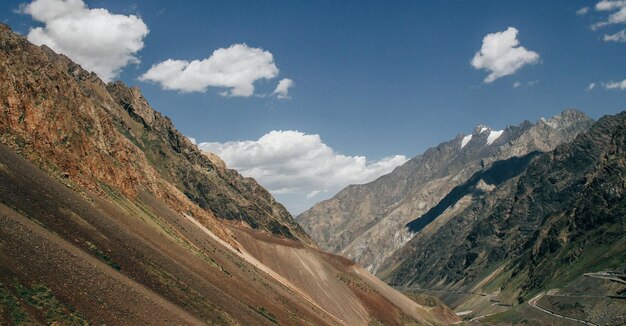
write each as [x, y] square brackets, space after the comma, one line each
[313, 194]
[299, 165]
[617, 37]
[502, 55]
[282, 89]
[615, 85]
[531, 83]
[236, 68]
[620, 85]
[582, 11]
[96, 39]
[608, 5]
[617, 17]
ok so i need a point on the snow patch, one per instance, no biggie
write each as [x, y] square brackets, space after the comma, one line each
[483, 129]
[465, 140]
[493, 135]
[550, 122]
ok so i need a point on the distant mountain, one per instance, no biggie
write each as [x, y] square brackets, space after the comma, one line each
[108, 215]
[368, 223]
[563, 216]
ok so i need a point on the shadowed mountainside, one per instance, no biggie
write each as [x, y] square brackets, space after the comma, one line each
[564, 216]
[367, 222]
[481, 182]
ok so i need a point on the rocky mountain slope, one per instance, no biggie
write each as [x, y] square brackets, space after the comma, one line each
[108, 215]
[562, 217]
[367, 222]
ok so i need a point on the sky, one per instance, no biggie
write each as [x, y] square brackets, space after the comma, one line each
[310, 96]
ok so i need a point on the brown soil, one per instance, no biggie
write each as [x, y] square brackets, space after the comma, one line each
[153, 246]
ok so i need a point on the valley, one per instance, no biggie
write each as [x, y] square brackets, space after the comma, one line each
[164, 194]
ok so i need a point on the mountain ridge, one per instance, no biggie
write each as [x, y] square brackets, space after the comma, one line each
[366, 222]
[544, 229]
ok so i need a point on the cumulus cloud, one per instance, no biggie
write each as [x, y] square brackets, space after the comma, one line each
[502, 55]
[618, 7]
[619, 85]
[615, 85]
[236, 68]
[617, 37]
[608, 5]
[282, 89]
[96, 39]
[517, 84]
[582, 11]
[298, 164]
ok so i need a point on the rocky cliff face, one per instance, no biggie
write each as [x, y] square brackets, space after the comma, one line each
[108, 215]
[203, 179]
[367, 222]
[563, 216]
[98, 136]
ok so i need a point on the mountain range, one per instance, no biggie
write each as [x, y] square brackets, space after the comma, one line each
[367, 222]
[523, 225]
[561, 219]
[109, 215]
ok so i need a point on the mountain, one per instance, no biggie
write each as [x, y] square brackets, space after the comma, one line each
[108, 215]
[561, 219]
[367, 222]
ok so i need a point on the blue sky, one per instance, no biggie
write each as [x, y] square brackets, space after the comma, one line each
[372, 79]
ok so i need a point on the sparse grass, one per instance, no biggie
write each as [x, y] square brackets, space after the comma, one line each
[423, 299]
[511, 317]
[375, 322]
[192, 300]
[263, 312]
[22, 304]
[354, 282]
[593, 260]
[499, 280]
[10, 309]
[113, 194]
[102, 256]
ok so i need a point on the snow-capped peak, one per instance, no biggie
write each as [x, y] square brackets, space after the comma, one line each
[465, 140]
[480, 129]
[493, 135]
[553, 124]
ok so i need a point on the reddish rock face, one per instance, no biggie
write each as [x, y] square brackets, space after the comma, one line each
[98, 136]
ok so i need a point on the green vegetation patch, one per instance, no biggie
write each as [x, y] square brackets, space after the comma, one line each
[423, 299]
[187, 297]
[94, 250]
[21, 304]
[11, 311]
[511, 317]
[263, 312]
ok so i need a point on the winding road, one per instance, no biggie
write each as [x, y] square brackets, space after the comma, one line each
[533, 303]
[611, 276]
